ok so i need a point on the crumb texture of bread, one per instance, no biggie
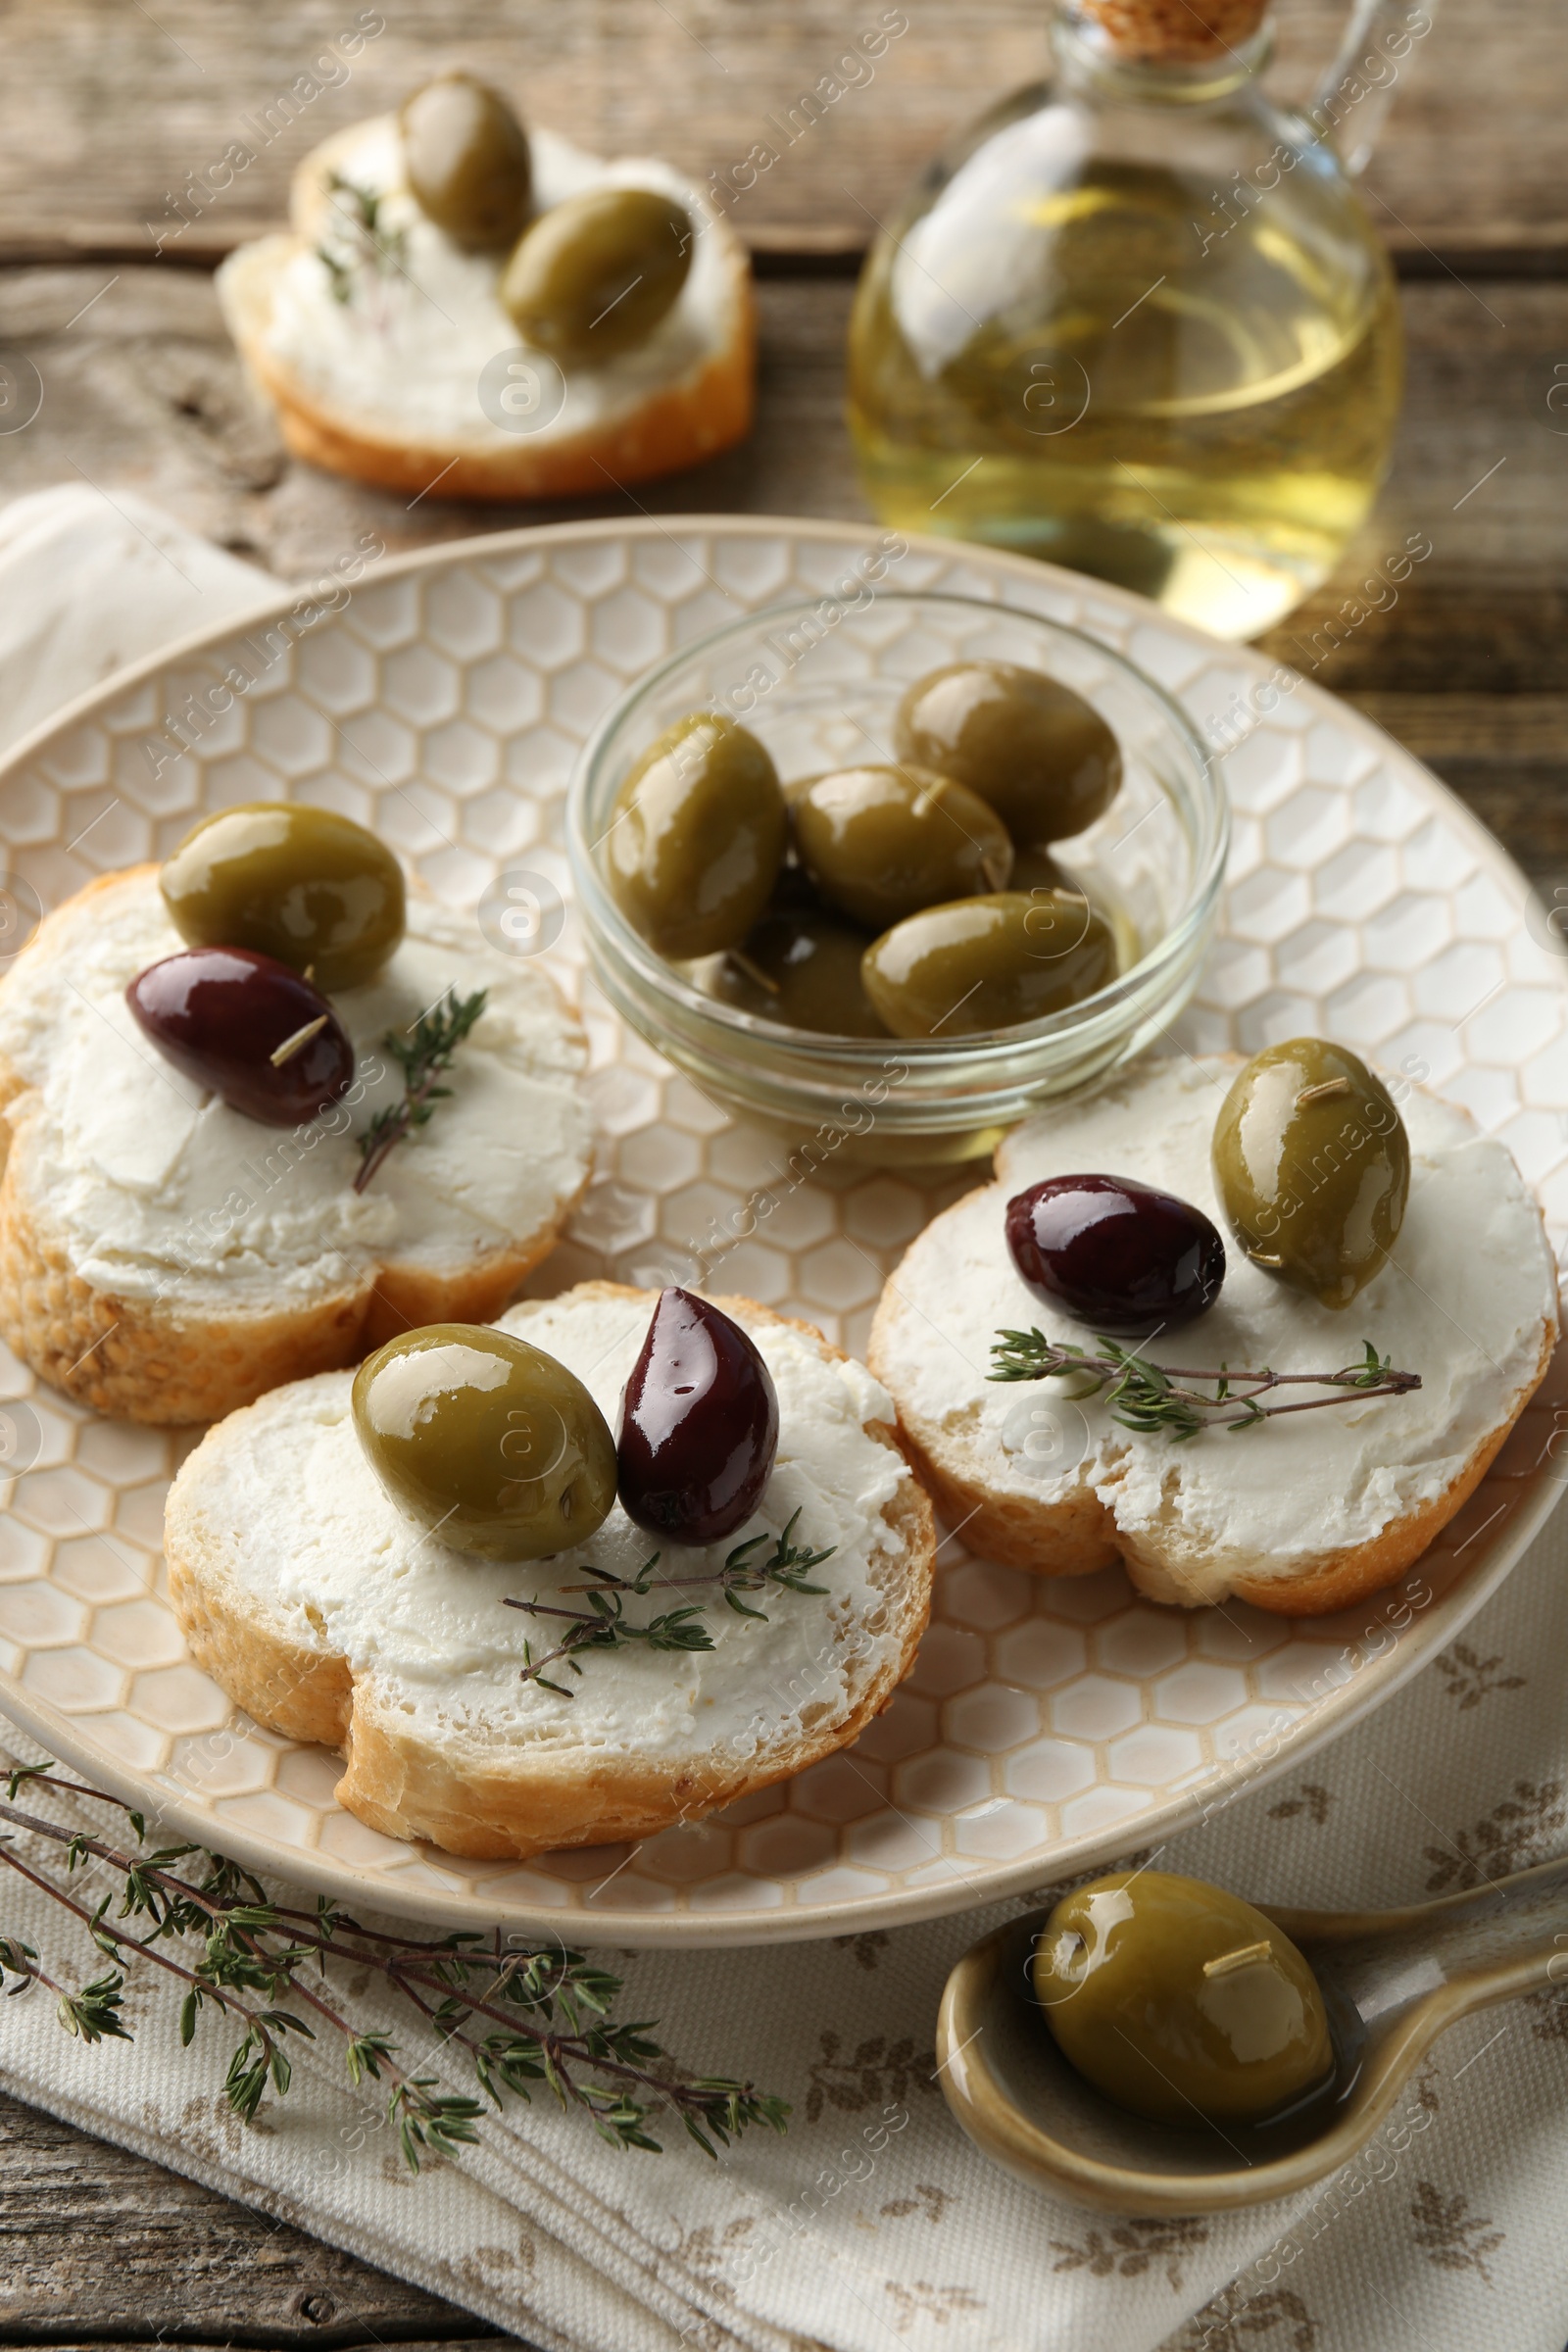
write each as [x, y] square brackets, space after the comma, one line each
[1303, 1516]
[326, 1614]
[164, 1258]
[377, 373]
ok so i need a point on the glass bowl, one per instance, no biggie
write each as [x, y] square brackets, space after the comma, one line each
[819, 682]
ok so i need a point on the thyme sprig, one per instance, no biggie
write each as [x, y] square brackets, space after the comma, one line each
[1157, 1398]
[520, 2016]
[604, 1623]
[359, 242]
[425, 1056]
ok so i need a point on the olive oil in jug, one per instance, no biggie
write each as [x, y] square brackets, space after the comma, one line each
[1136, 321]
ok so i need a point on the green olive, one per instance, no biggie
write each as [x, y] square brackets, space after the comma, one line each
[486, 1441]
[1313, 1167]
[880, 842]
[1179, 2001]
[697, 837]
[595, 273]
[801, 967]
[987, 963]
[312, 888]
[468, 162]
[1043, 758]
[1037, 869]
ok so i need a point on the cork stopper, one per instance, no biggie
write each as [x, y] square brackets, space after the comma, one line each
[1173, 33]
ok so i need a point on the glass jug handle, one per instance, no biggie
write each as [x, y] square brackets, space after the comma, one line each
[1354, 95]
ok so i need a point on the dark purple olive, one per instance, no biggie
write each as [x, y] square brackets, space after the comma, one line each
[1115, 1254]
[247, 1028]
[698, 1424]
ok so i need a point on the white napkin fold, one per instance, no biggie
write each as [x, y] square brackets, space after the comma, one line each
[91, 583]
[873, 2222]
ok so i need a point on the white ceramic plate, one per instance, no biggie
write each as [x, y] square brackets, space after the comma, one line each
[1048, 1725]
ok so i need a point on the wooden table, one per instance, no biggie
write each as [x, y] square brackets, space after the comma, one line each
[104, 110]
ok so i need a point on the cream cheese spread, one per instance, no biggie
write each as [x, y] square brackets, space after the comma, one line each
[1468, 1300]
[315, 1536]
[157, 1189]
[405, 354]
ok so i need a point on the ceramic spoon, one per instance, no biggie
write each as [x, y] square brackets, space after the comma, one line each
[1392, 1981]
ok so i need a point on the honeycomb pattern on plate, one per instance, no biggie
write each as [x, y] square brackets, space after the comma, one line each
[1046, 1725]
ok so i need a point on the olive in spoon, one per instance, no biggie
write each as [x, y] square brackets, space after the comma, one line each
[1391, 1982]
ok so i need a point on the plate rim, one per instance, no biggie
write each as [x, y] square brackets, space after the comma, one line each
[1365, 1690]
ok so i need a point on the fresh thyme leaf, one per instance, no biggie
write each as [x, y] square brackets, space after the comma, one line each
[93, 2014]
[522, 2017]
[425, 1056]
[1159, 1398]
[357, 244]
[604, 1625]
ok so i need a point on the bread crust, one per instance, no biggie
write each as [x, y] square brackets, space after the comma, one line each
[680, 425]
[1078, 1535]
[157, 1360]
[469, 1798]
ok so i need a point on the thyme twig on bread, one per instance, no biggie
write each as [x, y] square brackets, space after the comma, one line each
[359, 240]
[1157, 1398]
[604, 1625]
[519, 2016]
[425, 1056]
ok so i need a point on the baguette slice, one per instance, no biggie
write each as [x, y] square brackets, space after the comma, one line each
[384, 387]
[165, 1259]
[328, 1616]
[1303, 1516]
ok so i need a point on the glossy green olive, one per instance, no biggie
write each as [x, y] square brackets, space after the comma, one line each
[486, 1439]
[697, 837]
[988, 962]
[467, 161]
[595, 273]
[801, 967]
[1179, 2001]
[310, 887]
[1046, 763]
[1313, 1167]
[880, 842]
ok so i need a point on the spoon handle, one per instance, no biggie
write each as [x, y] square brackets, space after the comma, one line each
[1505, 1936]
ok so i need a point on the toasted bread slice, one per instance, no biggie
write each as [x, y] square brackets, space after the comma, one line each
[325, 1614]
[1303, 1515]
[164, 1259]
[385, 385]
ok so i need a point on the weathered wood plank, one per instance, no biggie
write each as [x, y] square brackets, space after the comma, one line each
[106, 109]
[97, 2246]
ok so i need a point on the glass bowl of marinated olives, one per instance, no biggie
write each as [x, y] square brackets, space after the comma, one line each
[888, 873]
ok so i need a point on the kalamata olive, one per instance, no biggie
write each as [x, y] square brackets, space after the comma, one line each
[1181, 2001]
[880, 842]
[248, 1029]
[597, 272]
[1114, 1253]
[698, 1424]
[1313, 1167]
[697, 837]
[488, 1442]
[988, 962]
[305, 885]
[1043, 757]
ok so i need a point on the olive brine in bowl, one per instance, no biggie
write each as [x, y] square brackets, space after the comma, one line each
[895, 869]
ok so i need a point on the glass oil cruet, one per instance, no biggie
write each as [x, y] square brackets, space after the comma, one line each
[1135, 321]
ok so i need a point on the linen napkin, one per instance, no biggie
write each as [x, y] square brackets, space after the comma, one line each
[873, 2222]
